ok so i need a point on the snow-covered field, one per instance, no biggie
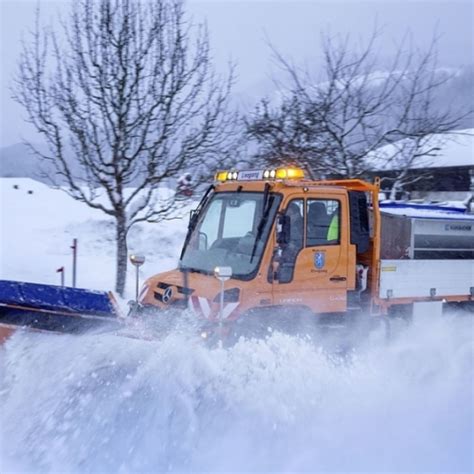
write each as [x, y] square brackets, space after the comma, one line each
[37, 231]
[101, 403]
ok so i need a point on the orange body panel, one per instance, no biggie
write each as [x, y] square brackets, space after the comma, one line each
[311, 287]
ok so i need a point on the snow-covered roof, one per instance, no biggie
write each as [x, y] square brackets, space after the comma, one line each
[426, 211]
[452, 150]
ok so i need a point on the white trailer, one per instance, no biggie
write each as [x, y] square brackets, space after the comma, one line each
[426, 254]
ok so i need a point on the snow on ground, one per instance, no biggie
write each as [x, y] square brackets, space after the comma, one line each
[101, 403]
[105, 404]
[37, 231]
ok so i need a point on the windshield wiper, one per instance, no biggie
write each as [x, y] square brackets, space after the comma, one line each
[265, 212]
[194, 219]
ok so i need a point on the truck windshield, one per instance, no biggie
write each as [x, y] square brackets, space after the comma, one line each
[231, 231]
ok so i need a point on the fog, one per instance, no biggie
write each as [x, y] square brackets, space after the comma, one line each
[241, 31]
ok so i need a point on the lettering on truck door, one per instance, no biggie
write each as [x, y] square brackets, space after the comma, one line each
[313, 265]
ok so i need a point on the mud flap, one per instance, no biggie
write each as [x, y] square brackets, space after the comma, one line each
[56, 308]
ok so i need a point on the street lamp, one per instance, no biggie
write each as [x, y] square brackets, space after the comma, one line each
[137, 261]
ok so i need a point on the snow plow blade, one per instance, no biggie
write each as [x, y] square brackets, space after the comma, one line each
[56, 308]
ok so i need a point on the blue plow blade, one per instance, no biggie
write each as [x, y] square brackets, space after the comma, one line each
[56, 308]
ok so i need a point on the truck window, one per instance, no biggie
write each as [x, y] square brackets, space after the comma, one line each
[232, 231]
[239, 220]
[289, 253]
[295, 211]
[322, 222]
[210, 227]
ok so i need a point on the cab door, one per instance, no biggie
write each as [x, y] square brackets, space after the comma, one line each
[315, 274]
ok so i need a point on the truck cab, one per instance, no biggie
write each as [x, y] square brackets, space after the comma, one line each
[290, 242]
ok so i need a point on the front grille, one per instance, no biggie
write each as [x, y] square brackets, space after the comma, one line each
[176, 303]
[163, 286]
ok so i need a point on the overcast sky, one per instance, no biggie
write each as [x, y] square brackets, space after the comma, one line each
[240, 31]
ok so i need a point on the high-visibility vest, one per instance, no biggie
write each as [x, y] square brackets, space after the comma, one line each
[333, 231]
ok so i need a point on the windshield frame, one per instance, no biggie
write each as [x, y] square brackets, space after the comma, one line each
[271, 216]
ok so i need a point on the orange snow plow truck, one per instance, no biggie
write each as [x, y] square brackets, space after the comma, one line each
[268, 247]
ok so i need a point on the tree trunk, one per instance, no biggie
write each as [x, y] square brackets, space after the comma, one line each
[122, 255]
[395, 188]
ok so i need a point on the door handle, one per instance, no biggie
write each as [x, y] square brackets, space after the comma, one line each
[335, 279]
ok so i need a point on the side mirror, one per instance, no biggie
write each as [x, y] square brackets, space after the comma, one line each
[283, 229]
[223, 273]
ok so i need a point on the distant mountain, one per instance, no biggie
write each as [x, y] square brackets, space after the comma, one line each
[458, 93]
[17, 161]
[455, 94]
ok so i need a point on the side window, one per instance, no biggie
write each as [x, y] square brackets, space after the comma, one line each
[295, 212]
[322, 222]
[289, 253]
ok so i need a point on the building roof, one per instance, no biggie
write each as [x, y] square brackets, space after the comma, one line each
[454, 150]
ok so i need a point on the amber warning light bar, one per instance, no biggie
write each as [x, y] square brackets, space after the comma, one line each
[258, 175]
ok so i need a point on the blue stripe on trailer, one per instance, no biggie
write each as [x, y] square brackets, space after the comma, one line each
[56, 298]
[425, 207]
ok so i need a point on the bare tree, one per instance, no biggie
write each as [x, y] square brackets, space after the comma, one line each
[336, 124]
[403, 157]
[287, 134]
[126, 98]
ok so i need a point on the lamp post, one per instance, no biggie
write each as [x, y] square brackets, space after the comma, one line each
[137, 261]
[74, 262]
